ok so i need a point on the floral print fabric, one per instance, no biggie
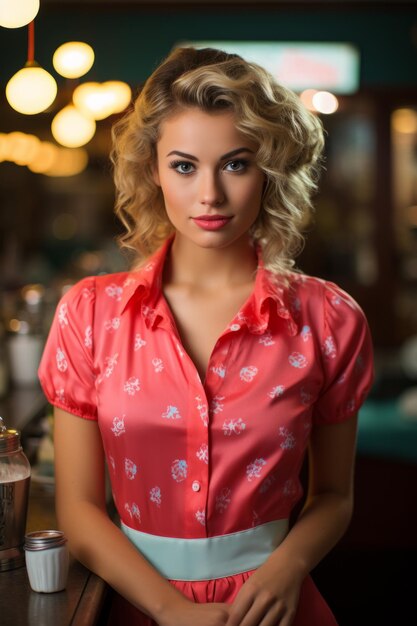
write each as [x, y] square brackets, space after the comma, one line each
[192, 458]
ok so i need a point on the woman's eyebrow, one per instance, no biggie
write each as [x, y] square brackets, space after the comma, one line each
[228, 155]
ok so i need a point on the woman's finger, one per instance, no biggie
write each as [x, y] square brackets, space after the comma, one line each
[239, 609]
[263, 612]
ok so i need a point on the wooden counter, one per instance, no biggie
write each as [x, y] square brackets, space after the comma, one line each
[80, 604]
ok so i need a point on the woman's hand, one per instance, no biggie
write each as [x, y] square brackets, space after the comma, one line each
[187, 613]
[268, 598]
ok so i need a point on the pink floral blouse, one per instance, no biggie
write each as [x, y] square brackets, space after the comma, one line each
[191, 458]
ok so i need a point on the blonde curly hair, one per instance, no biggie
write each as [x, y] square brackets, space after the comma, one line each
[289, 138]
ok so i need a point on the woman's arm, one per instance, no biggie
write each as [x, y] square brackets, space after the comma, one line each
[271, 593]
[98, 543]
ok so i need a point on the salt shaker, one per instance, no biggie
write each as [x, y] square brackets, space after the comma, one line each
[14, 495]
[46, 560]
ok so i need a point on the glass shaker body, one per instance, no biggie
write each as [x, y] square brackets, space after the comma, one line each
[14, 496]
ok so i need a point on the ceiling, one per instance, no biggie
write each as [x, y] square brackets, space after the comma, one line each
[256, 3]
[131, 36]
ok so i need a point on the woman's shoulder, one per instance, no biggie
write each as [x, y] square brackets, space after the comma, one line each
[312, 288]
[100, 282]
[85, 292]
[318, 303]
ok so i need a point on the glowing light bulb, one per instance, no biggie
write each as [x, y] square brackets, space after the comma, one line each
[99, 100]
[121, 94]
[93, 101]
[325, 102]
[14, 14]
[31, 90]
[73, 59]
[71, 128]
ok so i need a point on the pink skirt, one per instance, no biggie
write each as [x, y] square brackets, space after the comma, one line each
[312, 608]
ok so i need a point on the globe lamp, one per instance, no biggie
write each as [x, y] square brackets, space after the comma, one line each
[73, 59]
[71, 128]
[31, 90]
[17, 13]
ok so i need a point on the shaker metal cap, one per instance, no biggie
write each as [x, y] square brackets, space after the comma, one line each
[44, 539]
[9, 439]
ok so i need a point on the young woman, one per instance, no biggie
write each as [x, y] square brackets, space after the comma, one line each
[204, 374]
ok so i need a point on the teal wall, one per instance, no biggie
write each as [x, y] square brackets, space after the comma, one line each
[130, 42]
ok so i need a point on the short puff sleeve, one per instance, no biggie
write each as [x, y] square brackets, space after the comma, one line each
[66, 370]
[347, 358]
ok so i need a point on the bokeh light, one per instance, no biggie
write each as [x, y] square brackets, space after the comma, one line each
[325, 102]
[404, 121]
[17, 13]
[73, 59]
[71, 128]
[99, 100]
[31, 90]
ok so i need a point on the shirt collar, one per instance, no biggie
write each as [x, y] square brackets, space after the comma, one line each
[271, 292]
[144, 284]
[147, 279]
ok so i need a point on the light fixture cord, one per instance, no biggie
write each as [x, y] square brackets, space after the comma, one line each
[31, 42]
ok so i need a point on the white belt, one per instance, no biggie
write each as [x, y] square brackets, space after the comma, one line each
[209, 557]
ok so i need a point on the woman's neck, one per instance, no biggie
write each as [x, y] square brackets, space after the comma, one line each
[210, 268]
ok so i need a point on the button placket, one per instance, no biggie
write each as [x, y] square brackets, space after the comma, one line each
[197, 443]
[217, 365]
[198, 434]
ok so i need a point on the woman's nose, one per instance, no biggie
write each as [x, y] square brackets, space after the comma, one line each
[211, 190]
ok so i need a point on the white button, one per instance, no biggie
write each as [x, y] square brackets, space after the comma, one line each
[196, 486]
[235, 327]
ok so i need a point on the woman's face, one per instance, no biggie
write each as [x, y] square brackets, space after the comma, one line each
[211, 184]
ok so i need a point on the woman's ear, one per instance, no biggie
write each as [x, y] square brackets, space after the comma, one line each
[155, 175]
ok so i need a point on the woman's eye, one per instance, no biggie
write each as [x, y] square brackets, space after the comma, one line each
[182, 167]
[236, 166]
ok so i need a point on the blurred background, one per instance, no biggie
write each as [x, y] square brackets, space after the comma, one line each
[353, 63]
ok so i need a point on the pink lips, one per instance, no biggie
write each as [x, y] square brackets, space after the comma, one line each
[211, 222]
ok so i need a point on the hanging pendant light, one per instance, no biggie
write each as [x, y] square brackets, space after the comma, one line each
[17, 13]
[99, 100]
[92, 100]
[73, 59]
[71, 128]
[32, 89]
